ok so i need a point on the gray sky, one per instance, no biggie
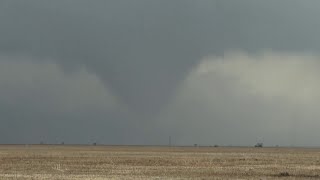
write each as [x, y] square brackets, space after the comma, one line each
[136, 71]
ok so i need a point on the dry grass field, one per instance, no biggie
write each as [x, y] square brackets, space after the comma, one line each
[134, 162]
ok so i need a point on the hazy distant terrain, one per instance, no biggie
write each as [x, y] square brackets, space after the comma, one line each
[134, 162]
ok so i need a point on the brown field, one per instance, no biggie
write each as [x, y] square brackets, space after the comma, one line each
[134, 162]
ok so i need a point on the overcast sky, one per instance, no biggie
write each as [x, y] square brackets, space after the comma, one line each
[138, 71]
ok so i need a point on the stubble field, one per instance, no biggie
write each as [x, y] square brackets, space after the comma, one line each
[135, 162]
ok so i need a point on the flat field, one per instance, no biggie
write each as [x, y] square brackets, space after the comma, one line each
[138, 162]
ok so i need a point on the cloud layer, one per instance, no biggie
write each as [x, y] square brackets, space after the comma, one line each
[39, 102]
[239, 98]
[271, 75]
[233, 99]
[142, 50]
[138, 71]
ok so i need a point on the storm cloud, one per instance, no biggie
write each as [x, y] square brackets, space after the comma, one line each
[120, 64]
[242, 98]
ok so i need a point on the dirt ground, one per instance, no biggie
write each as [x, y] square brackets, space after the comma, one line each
[138, 162]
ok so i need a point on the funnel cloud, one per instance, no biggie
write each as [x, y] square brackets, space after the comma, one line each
[132, 71]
